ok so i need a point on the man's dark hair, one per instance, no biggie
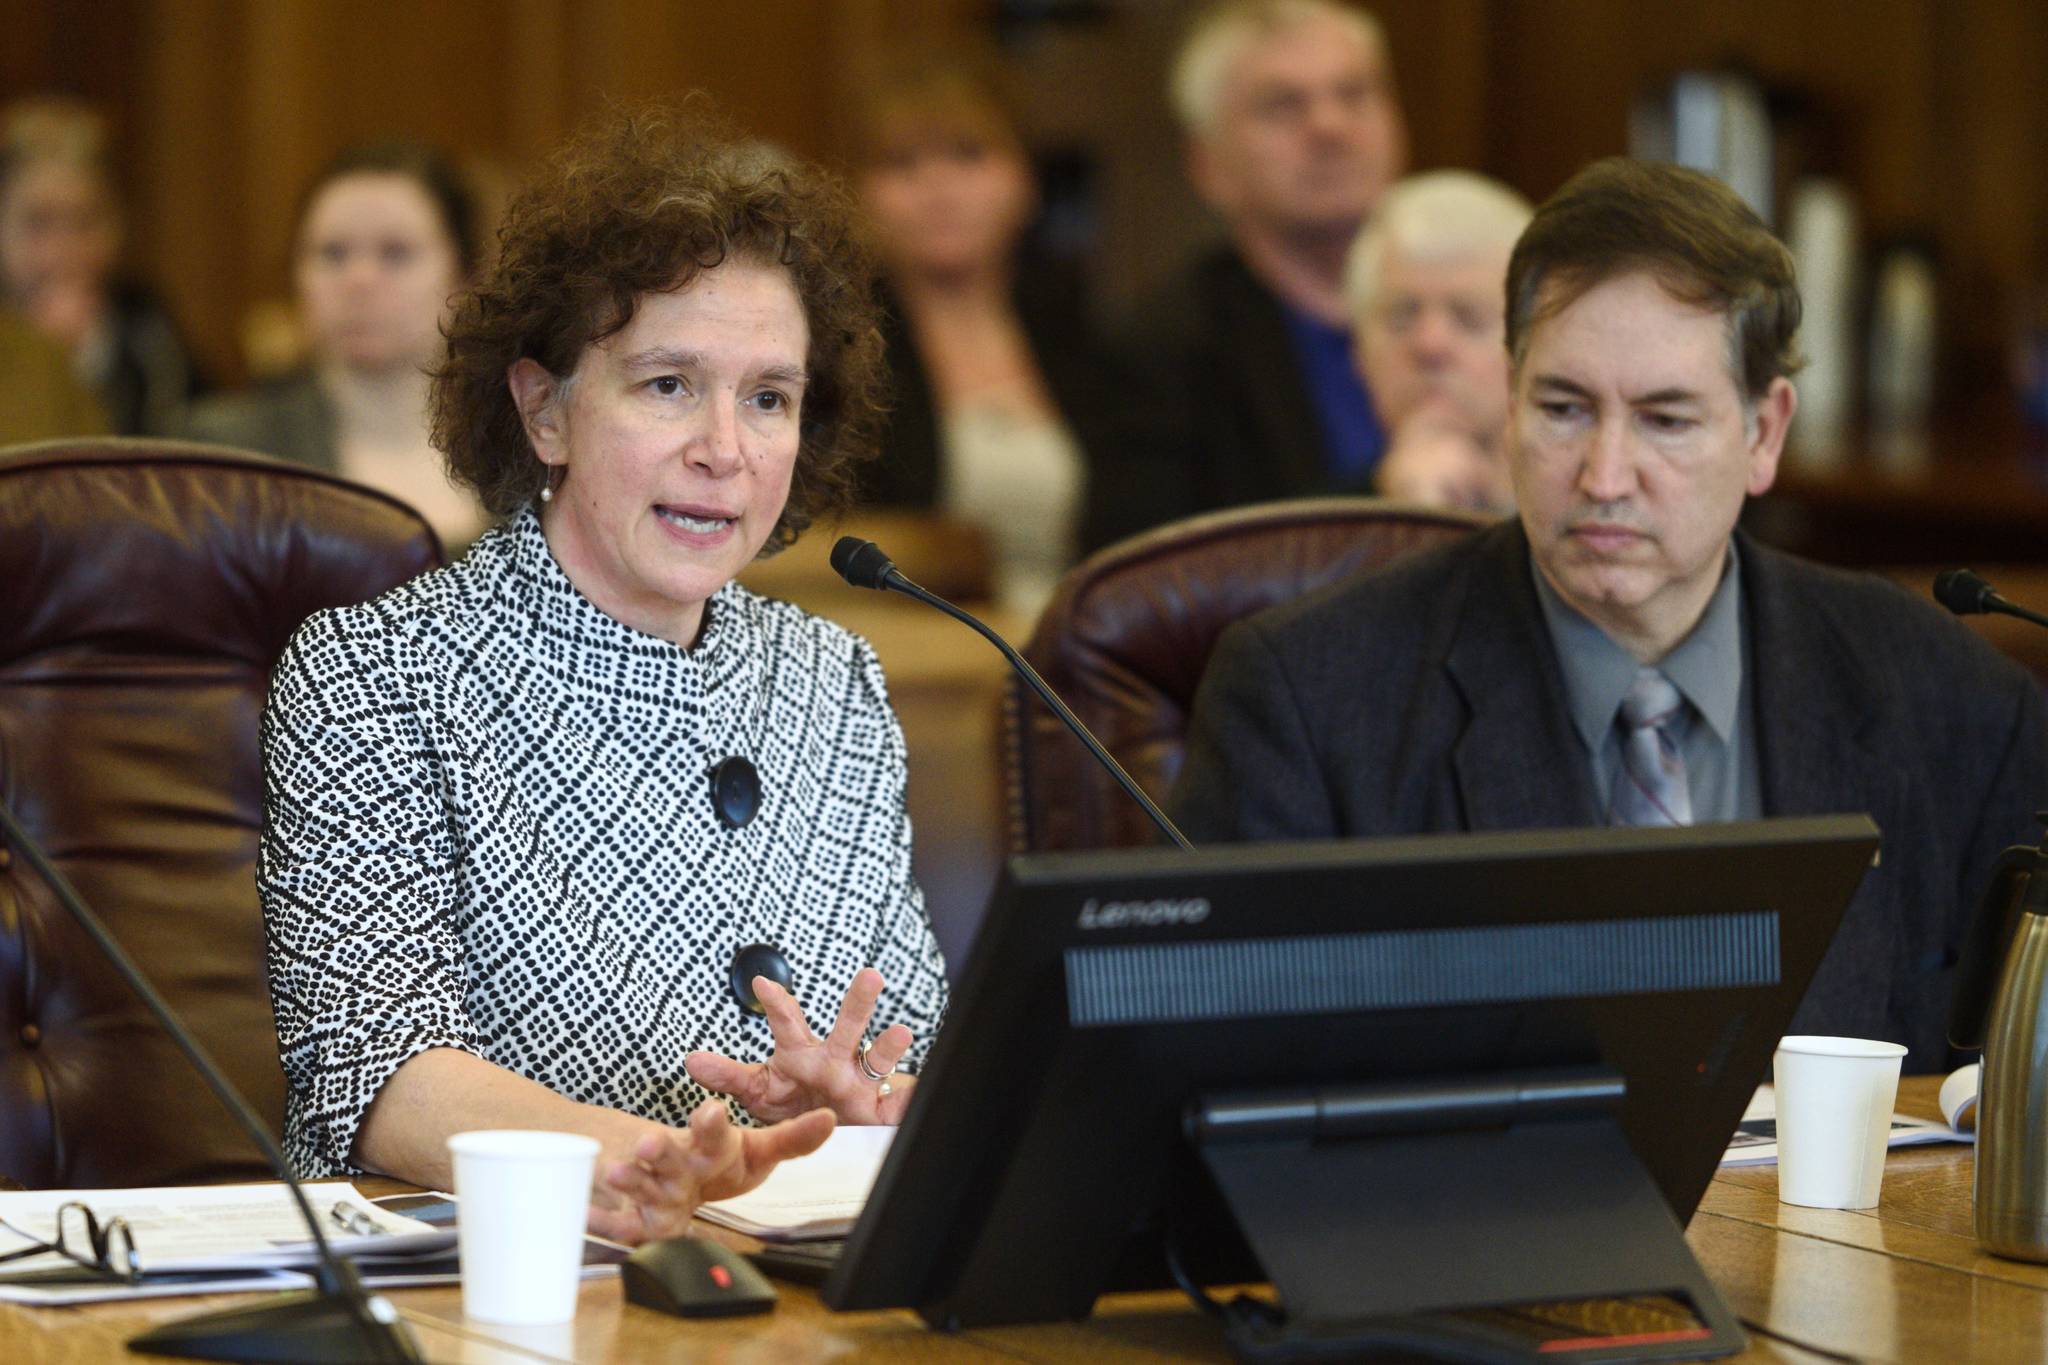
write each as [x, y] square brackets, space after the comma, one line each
[1689, 231]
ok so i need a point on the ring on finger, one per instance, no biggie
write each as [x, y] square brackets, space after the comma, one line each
[861, 1060]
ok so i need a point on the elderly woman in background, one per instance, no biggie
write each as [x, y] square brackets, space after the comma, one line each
[386, 237]
[1000, 388]
[60, 248]
[1427, 281]
[547, 826]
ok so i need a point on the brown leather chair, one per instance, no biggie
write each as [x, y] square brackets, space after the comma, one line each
[1127, 635]
[146, 590]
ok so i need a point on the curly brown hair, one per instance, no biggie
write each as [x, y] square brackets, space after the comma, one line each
[639, 202]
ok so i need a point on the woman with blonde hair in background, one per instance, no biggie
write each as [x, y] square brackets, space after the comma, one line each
[1000, 391]
[60, 250]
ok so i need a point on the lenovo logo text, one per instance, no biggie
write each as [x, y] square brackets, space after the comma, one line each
[1142, 914]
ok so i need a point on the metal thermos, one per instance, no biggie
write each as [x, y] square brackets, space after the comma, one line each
[2002, 1006]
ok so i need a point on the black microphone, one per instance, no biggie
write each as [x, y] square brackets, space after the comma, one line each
[1965, 593]
[337, 1321]
[862, 563]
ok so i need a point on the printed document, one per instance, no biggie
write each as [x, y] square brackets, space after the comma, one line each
[811, 1197]
[206, 1228]
[1755, 1142]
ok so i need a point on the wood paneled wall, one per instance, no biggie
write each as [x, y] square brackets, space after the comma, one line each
[228, 106]
[1927, 108]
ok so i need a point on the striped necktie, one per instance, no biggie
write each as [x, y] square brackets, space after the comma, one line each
[1651, 787]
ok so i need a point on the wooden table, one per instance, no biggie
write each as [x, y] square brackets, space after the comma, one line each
[1904, 1282]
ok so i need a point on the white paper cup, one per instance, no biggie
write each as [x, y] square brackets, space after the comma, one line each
[1835, 1098]
[522, 1198]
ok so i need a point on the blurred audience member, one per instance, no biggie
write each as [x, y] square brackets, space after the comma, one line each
[39, 396]
[1242, 362]
[1000, 393]
[1427, 283]
[60, 245]
[386, 237]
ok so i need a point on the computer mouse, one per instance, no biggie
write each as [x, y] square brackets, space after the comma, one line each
[695, 1277]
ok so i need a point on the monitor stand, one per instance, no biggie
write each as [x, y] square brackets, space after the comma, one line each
[1372, 1208]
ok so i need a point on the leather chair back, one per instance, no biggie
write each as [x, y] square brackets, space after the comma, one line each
[1129, 632]
[146, 591]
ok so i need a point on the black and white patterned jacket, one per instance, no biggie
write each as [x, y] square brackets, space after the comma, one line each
[489, 827]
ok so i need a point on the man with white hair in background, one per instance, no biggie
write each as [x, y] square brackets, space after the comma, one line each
[1241, 366]
[1427, 284]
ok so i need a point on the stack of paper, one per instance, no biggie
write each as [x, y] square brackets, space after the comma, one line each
[1755, 1142]
[812, 1197]
[195, 1239]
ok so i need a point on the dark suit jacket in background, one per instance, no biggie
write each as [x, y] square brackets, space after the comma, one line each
[1072, 359]
[1428, 698]
[1221, 413]
[149, 377]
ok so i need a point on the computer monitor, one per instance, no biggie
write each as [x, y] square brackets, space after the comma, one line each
[1390, 1076]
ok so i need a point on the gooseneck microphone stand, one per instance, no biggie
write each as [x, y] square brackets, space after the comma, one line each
[1965, 593]
[338, 1321]
[862, 563]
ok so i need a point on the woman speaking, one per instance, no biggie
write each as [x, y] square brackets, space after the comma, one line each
[577, 831]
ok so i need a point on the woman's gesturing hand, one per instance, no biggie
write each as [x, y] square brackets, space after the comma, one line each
[673, 1170]
[808, 1072]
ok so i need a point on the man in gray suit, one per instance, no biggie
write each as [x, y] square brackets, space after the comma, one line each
[1619, 653]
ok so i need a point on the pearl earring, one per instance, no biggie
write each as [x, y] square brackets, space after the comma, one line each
[547, 489]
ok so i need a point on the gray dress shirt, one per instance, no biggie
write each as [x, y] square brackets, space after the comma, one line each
[1717, 733]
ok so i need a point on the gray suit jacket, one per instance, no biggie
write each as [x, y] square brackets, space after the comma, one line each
[1427, 698]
